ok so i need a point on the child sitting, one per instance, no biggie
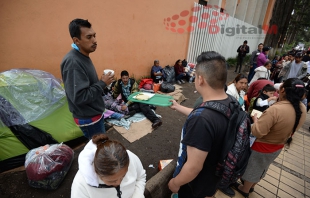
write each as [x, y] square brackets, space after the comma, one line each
[265, 98]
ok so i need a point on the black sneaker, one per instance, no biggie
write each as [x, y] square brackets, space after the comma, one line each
[228, 191]
[251, 189]
[157, 124]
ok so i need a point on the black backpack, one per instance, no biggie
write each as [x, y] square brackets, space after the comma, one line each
[166, 87]
[236, 146]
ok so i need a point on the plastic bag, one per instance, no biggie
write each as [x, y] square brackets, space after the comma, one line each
[166, 87]
[47, 166]
[34, 94]
[169, 74]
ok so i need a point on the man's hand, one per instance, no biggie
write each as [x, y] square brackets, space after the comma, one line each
[107, 78]
[174, 104]
[123, 107]
[173, 187]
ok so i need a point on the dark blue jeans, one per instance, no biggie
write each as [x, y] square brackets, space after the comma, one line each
[94, 129]
[180, 76]
[252, 72]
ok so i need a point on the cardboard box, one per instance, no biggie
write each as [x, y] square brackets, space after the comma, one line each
[163, 163]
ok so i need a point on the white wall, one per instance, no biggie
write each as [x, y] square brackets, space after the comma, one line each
[224, 40]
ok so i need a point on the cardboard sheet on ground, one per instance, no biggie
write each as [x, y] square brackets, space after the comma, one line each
[136, 131]
[177, 94]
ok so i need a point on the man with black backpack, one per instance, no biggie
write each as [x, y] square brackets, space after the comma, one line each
[206, 139]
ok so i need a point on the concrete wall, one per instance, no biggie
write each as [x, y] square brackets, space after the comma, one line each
[130, 34]
[157, 186]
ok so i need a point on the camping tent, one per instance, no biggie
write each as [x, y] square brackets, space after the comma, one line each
[32, 105]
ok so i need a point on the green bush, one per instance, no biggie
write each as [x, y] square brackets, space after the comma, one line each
[232, 62]
[246, 60]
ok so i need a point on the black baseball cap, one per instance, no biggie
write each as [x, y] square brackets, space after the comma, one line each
[265, 49]
[298, 54]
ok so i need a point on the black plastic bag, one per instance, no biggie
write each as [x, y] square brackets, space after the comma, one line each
[169, 74]
[166, 87]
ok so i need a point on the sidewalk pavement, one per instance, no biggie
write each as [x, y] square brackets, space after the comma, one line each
[289, 175]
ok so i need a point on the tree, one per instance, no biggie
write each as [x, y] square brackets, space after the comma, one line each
[298, 30]
[281, 15]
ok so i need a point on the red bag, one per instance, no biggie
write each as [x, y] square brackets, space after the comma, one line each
[145, 81]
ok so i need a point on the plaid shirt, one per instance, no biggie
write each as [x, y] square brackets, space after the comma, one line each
[125, 88]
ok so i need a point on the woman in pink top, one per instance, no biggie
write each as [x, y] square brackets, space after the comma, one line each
[262, 57]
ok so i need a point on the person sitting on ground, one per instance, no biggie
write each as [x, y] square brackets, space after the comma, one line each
[264, 99]
[262, 72]
[108, 170]
[126, 86]
[237, 87]
[272, 130]
[117, 104]
[257, 86]
[157, 72]
[180, 72]
[190, 71]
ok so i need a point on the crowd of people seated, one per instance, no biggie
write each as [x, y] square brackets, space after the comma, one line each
[183, 71]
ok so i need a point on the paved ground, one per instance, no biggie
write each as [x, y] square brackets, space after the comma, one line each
[288, 176]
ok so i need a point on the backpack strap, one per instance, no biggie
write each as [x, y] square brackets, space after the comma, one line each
[222, 108]
[231, 112]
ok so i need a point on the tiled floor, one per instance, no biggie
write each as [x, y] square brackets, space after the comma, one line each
[289, 175]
